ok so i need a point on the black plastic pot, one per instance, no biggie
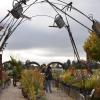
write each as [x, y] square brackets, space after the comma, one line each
[85, 91]
[95, 98]
[24, 93]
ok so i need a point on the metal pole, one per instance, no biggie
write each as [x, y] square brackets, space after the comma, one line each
[73, 43]
[4, 18]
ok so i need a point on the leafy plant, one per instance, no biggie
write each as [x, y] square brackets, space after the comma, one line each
[32, 81]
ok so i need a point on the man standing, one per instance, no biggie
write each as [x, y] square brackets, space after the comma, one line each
[48, 79]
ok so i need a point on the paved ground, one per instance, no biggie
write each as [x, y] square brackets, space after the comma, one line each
[57, 95]
[13, 93]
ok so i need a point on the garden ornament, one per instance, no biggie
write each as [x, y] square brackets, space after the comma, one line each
[59, 21]
[17, 11]
[24, 1]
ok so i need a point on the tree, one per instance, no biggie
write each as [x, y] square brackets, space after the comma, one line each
[92, 47]
[65, 66]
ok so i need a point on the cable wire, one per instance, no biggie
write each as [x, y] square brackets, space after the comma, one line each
[38, 16]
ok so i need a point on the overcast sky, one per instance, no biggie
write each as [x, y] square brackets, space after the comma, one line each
[35, 41]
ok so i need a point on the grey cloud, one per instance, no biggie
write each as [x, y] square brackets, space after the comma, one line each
[54, 40]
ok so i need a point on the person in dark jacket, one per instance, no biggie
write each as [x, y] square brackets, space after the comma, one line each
[48, 79]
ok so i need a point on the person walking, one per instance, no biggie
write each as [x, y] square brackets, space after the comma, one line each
[48, 79]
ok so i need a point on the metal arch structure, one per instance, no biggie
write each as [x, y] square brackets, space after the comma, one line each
[16, 16]
[17, 12]
[8, 62]
[57, 64]
[28, 65]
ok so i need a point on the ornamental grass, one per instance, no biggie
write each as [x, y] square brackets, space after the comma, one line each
[32, 82]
